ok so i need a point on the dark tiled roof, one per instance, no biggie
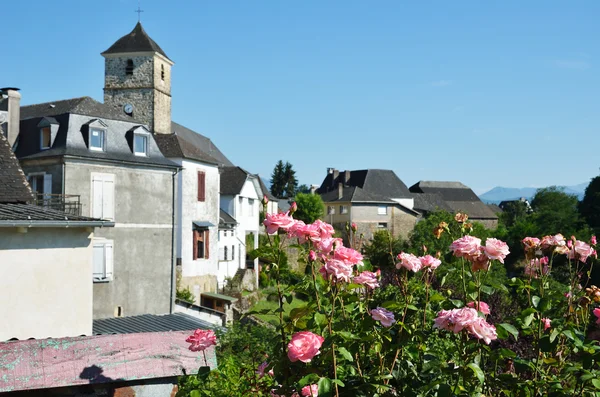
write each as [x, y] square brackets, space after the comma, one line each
[189, 144]
[375, 182]
[10, 212]
[85, 106]
[264, 189]
[149, 323]
[429, 202]
[226, 220]
[136, 41]
[232, 180]
[495, 208]
[13, 185]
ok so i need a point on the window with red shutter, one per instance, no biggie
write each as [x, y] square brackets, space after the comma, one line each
[201, 186]
[200, 244]
[206, 240]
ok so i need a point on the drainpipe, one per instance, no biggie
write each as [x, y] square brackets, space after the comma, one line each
[173, 242]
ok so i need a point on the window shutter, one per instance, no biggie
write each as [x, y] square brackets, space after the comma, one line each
[232, 252]
[47, 184]
[206, 240]
[108, 257]
[201, 186]
[195, 244]
[98, 272]
[96, 196]
[108, 197]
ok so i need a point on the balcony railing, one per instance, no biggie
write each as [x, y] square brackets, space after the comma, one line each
[67, 203]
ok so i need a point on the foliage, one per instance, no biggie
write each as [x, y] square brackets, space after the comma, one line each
[185, 295]
[417, 336]
[310, 207]
[283, 180]
[304, 188]
[383, 248]
[590, 205]
[554, 211]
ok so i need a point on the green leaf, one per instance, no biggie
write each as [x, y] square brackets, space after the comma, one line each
[527, 320]
[412, 307]
[320, 318]
[308, 379]
[338, 382]
[457, 303]
[535, 300]
[554, 334]
[545, 305]
[510, 329]
[324, 386]
[477, 371]
[596, 383]
[195, 393]
[486, 289]
[344, 352]
[506, 353]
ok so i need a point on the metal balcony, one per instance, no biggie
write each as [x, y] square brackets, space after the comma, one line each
[67, 203]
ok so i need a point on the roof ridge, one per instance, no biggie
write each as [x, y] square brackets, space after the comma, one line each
[79, 99]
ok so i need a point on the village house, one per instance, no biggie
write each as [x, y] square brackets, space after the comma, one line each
[373, 199]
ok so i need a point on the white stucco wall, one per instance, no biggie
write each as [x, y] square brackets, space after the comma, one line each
[227, 266]
[45, 283]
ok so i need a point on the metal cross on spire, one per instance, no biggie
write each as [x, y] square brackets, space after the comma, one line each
[139, 12]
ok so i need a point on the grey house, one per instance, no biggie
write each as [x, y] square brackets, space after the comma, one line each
[90, 159]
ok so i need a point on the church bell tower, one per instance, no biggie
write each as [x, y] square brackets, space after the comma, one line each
[137, 80]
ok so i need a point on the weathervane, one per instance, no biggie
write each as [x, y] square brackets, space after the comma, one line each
[139, 12]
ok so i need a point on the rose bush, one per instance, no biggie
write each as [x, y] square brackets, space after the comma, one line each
[412, 336]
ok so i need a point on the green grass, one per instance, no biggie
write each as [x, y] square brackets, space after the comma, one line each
[273, 318]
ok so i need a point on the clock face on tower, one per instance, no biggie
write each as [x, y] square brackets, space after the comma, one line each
[128, 108]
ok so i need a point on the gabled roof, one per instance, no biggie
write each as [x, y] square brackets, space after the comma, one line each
[13, 185]
[374, 182]
[84, 105]
[226, 221]
[457, 196]
[264, 189]
[136, 41]
[429, 202]
[185, 143]
[232, 180]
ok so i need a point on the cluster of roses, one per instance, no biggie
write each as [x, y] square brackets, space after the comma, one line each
[573, 248]
[468, 319]
[415, 263]
[470, 248]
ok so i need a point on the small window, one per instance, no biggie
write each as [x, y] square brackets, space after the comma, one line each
[201, 186]
[330, 210]
[140, 144]
[232, 252]
[225, 253]
[382, 225]
[103, 260]
[343, 209]
[382, 210]
[45, 138]
[201, 244]
[97, 139]
[162, 72]
[241, 206]
[129, 67]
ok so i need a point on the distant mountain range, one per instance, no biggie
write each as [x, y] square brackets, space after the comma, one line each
[498, 194]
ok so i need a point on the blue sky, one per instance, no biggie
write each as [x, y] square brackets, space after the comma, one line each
[486, 93]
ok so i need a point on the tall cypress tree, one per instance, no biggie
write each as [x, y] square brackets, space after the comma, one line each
[291, 183]
[278, 181]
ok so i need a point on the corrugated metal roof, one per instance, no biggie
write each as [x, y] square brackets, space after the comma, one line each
[37, 215]
[150, 323]
[219, 296]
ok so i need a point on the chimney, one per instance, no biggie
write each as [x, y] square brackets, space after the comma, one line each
[13, 98]
[334, 176]
[340, 191]
[346, 177]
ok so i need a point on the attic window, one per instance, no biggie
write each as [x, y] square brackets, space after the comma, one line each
[162, 72]
[140, 144]
[45, 138]
[129, 68]
[97, 139]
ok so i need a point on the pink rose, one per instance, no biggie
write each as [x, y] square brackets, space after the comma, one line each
[328, 244]
[293, 207]
[368, 279]
[339, 270]
[265, 199]
[310, 390]
[443, 320]
[557, 240]
[461, 318]
[466, 247]
[274, 222]
[597, 314]
[354, 227]
[312, 256]
[547, 323]
[593, 240]
[385, 317]
[482, 307]
[496, 249]
[348, 255]
[581, 251]
[430, 262]
[481, 329]
[408, 261]
[201, 339]
[304, 346]
[531, 243]
[325, 229]
[480, 261]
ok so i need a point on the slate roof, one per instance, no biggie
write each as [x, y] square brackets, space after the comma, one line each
[458, 197]
[135, 41]
[429, 202]
[373, 182]
[73, 117]
[264, 189]
[13, 185]
[232, 180]
[186, 143]
[226, 220]
[150, 323]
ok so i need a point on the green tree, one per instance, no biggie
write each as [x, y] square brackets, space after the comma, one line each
[555, 211]
[303, 189]
[291, 183]
[310, 207]
[278, 181]
[589, 207]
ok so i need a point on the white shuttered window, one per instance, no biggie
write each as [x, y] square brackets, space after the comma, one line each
[103, 260]
[103, 196]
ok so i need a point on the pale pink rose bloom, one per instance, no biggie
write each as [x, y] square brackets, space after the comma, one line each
[443, 320]
[385, 317]
[481, 329]
[367, 278]
[558, 240]
[348, 255]
[547, 323]
[328, 244]
[337, 269]
[430, 262]
[496, 249]
[274, 222]
[201, 339]
[325, 229]
[531, 243]
[582, 251]
[408, 261]
[482, 307]
[562, 249]
[304, 346]
[461, 318]
[466, 246]
[597, 314]
[593, 240]
[310, 391]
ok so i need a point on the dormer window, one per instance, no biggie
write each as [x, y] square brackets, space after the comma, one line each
[129, 68]
[97, 139]
[140, 144]
[45, 138]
